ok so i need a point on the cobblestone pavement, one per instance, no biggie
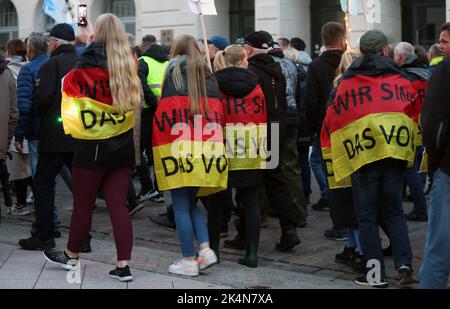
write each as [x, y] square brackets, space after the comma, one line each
[309, 265]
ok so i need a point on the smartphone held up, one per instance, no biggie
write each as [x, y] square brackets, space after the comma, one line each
[82, 15]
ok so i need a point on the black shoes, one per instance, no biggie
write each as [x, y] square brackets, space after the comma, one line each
[289, 239]
[416, 218]
[405, 276]
[34, 243]
[121, 274]
[237, 243]
[362, 280]
[163, 221]
[61, 258]
[251, 258]
[346, 257]
[134, 208]
[321, 205]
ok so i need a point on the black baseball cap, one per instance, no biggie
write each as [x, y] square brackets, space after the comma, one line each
[259, 39]
[63, 32]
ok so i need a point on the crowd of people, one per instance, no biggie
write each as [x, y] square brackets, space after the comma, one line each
[369, 122]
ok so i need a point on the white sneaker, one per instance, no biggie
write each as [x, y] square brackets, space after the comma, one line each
[206, 258]
[17, 210]
[30, 198]
[184, 267]
[147, 196]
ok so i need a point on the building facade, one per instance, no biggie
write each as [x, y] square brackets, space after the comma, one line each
[417, 21]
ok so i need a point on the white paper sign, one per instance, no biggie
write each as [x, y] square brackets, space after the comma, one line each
[203, 7]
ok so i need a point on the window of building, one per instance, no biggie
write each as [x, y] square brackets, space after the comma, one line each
[422, 21]
[8, 23]
[125, 10]
[242, 18]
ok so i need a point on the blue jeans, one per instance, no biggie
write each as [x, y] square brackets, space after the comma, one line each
[353, 240]
[378, 187]
[416, 183]
[435, 269]
[318, 168]
[189, 219]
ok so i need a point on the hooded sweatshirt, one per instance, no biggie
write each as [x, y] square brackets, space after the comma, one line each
[273, 84]
[242, 99]
[8, 107]
[15, 64]
[319, 83]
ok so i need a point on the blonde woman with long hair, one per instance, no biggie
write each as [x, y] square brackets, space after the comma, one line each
[189, 90]
[99, 99]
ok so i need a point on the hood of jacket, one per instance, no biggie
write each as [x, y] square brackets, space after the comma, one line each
[266, 63]
[236, 82]
[15, 64]
[332, 57]
[304, 58]
[156, 52]
[413, 66]
[93, 56]
[373, 65]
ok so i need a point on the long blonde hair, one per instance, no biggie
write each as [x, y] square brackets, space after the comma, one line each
[197, 72]
[346, 61]
[230, 57]
[123, 77]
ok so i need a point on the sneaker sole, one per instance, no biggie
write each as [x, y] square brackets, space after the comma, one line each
[122, 279]
[65, 266]
[373, 285]
[183, 274]
[137, 209]
[148, 197]
[207, 266]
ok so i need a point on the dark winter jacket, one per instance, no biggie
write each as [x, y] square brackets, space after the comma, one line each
[52, 138]
[436, 118]
[157, 53]
[273, 84]
[304, 136]
[240, 83]
[319, 82]
[111, 153]
[290, 73]
[29, 120]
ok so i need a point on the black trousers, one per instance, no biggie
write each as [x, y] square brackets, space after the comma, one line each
[146, 146]
[48, 167]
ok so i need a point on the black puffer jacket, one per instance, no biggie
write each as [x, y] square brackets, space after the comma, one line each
[239, 83]
[52, 138]
[319, 82]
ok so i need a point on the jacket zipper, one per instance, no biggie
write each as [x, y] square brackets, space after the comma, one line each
[96, 153]
[441, 127]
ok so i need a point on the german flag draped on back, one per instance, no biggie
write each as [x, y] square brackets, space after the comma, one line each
[373, 116]
[189, 150]
[86, 109]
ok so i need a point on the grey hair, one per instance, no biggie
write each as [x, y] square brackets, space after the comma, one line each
[404, 48]
[435, 50]
[62, 42]
[131, 40]
[38, 42]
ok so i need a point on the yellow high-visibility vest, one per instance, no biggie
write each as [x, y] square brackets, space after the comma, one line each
[155, 78]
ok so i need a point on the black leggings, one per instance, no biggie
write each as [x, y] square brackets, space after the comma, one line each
[248, 200]
[21, 190]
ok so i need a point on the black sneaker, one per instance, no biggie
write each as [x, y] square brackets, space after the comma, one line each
[61, 258]
[405, 276]
[336, 234]
[358, 264]
[148, 195]
[362, 280]
[288, 241]
[416, 218]
[34, 243]
[121, 274]
[87, 245]
[158, 199]
[237, 243]
[163, 221]
[346, 256]
[135, 208]
[321, 205]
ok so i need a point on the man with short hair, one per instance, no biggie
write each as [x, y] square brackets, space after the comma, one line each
[444, 40]
[300, 46]
[319, 83]
[435, 270]
[373, 137]
[434, 56]
[55, 147]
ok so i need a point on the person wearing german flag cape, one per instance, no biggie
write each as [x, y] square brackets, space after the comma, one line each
[372, 128]
[188, 149]
[99, 99]
[245, 119]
